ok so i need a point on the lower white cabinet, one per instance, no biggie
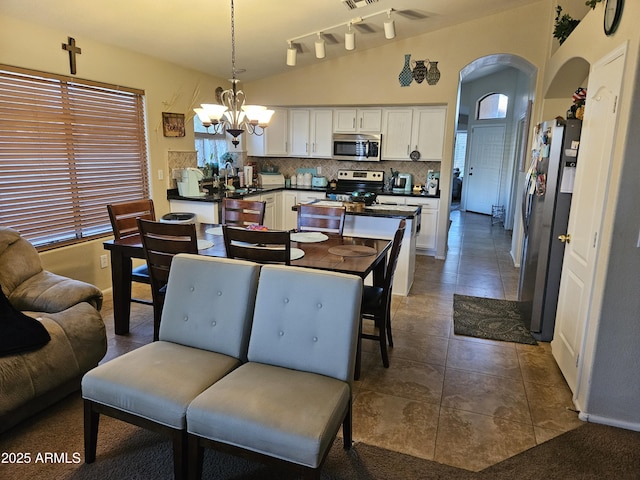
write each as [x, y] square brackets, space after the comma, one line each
[289, 216]
[428, 236]
[272, 209]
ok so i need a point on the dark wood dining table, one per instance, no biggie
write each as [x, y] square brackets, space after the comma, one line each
[316, 255]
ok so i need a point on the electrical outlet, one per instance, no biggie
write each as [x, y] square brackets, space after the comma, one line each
[160, 174]
[104, 261]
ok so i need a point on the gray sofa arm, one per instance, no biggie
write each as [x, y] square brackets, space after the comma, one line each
[49, 292]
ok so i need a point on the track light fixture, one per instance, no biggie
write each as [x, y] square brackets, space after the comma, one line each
[292, 52]
[350, 39]
[320, 51]
[389, 27]
[349, 36]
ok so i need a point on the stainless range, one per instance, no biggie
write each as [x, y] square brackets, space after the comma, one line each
[358, 181]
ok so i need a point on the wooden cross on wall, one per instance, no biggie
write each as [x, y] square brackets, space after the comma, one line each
[73, 50]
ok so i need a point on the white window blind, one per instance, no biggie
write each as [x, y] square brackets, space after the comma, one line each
[68, 147]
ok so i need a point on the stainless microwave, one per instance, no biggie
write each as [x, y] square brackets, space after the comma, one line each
[356, 147]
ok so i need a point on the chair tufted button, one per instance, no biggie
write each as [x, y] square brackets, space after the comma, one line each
[319, 305]
[281, 333]
[286, 300]
[219, 293]
[214, 323]
[315, 339]
[186, 318]
[191, 289]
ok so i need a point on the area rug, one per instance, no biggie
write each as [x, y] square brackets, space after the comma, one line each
[490, 318]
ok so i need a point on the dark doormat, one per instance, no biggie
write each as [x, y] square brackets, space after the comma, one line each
[489, 318]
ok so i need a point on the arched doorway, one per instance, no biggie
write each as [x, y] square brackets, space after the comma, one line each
[515, 78]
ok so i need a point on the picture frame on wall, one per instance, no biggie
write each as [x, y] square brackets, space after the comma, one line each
[172, 124]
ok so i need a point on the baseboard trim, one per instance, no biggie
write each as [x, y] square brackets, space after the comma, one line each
[612, 422]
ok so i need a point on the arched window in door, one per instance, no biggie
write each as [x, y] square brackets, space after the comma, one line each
[493, 105]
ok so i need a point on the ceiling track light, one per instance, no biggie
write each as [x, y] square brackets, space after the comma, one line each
[320, 50]
[349, 36]
[291, 55]
[350, 39]
[389, 26]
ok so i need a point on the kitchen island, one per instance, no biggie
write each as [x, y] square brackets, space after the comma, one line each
[376, 221]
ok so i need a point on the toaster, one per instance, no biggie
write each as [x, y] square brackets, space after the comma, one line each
[319, 182]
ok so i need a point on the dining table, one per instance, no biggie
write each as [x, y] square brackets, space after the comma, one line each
[336, 253]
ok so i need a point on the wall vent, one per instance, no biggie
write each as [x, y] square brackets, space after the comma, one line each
[353, 4]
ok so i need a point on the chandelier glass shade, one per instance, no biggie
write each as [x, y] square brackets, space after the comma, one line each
[231, 114]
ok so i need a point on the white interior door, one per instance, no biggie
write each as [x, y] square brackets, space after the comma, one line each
[585, 220]
[482, 175]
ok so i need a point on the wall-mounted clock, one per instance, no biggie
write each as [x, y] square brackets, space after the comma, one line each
[612, 15]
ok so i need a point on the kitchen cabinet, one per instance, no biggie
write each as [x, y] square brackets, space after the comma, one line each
[289, 216]
[428, 235]
[357, 120]
[206, 212]
[272, 210]
[275, 139]
[397, 125]
[408, 129]
[428, 132]
[310, 132]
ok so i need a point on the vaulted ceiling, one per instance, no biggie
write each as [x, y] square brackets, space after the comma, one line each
[197, 33]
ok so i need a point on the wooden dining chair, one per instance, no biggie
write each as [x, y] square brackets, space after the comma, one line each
[123, 216]
[262, 246]
[161, 242]
[316, 218]
[241, 213]
[376, 300]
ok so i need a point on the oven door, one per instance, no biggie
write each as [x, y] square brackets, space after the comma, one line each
[361, 148]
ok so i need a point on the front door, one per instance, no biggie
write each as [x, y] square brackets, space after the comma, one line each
[585, 220]
[482, 175]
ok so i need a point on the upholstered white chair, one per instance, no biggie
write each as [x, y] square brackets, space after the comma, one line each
[287, 403]
[203, 335]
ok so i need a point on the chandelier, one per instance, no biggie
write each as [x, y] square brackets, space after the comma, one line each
[231, 114]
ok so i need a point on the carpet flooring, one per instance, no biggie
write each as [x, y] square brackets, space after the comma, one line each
[54, 441]
[489, 318]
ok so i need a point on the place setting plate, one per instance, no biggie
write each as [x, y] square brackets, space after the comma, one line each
[308, 237]
[214, 230]
[204, 244]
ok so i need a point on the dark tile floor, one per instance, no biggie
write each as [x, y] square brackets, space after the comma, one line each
[457, 400]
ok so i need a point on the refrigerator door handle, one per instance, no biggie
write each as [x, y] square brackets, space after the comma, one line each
[526, 204]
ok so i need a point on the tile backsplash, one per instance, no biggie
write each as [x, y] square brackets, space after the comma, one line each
[329, 168]
[177, 160]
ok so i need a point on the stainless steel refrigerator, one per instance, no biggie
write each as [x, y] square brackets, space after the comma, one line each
[545, 212]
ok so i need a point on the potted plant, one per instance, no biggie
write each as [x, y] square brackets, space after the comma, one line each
[564, 24]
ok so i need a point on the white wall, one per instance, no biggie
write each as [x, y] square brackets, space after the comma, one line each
[610, 385]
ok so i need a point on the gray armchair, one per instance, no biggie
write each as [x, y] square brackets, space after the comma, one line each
[287, 403]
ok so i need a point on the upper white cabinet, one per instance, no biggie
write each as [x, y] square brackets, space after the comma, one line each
[407, 129]
[428, 132]
[397, 124]
[310, 132]
[274, 141]
[357, 120]
[299, 128]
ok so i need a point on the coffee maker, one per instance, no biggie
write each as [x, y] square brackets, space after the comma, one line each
[189, 186]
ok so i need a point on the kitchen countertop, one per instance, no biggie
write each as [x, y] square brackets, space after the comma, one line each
[216, 196]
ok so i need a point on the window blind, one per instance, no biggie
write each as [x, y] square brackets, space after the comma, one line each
[67, 149]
